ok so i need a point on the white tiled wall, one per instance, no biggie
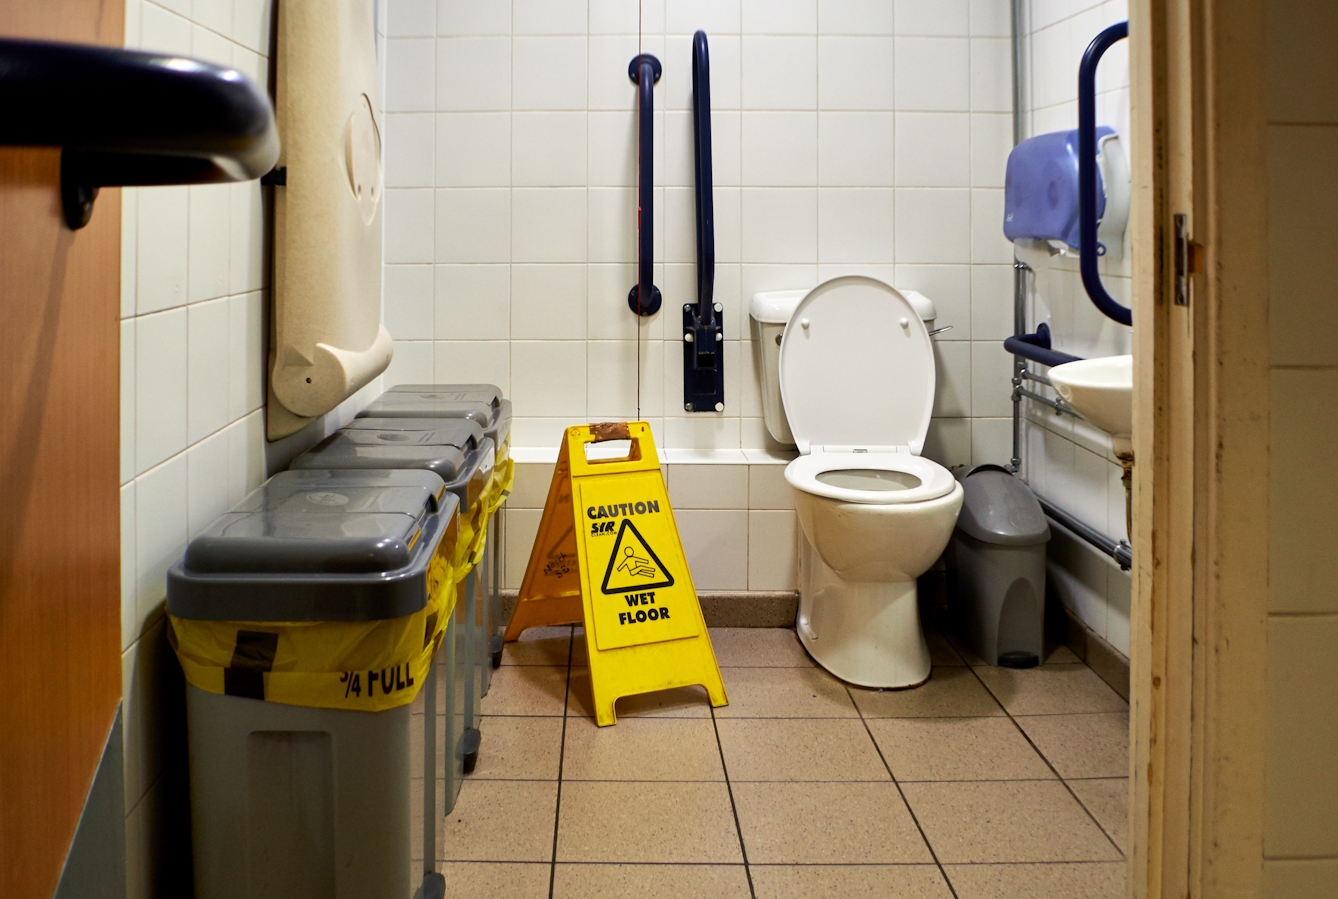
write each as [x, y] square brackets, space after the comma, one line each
[849, 136]
[1069, 462]
[1301, 775]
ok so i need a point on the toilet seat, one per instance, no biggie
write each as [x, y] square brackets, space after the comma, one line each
[857, 369]
[872, 469]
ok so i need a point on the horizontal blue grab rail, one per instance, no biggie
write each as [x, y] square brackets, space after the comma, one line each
[1036, 347]
[1088, 247]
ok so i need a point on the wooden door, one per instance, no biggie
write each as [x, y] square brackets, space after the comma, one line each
[59, 497]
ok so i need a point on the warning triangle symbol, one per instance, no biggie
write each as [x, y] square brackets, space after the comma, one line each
[633, 565]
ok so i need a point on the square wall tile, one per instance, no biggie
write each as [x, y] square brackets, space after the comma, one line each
[946, 18]
[161, 526]
[247, 258]
[768, 489]
[473, 149]
[716, 545]
[409, 301]
[612, 381]
[1303, 573]
[992, 74]
[780, 16]
[127, 402]
[933, 149]
[991, 382]
[856, 149]
[548, 302]
[856, 225]
[464, 18]
[472, 74]
[773, 550]
[1301, 191]
[161, 377]
[473, 302]
[408, 226]
[708, 486]
[410, 364]
[410, 154]
[548, 378]
[549, 72]
[207, 468]
[780, 225]
[1302, 729]
[855, 17]
[209, 241]
[952, 389]
[548, 149]
[780, 149]
[472, 225]
[411, 74]
[933, 226]
[932, 74]
[856, 73]
[779, 73]
[473, 361]
[208, 361]
[129, 571]
[162, 247]
[548, 17]
[548, 224]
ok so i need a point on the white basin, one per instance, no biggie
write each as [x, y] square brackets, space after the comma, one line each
[1101, 391]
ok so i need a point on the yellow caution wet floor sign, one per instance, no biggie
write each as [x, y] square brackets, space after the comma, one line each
[608, 555]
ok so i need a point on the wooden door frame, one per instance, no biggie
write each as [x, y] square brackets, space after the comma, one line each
[1199, 615]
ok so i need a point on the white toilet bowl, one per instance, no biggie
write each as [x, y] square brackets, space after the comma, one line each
[857, 379]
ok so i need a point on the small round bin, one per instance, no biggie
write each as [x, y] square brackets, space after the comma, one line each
[1000, 551]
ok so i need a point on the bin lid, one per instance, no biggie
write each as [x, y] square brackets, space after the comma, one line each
[999, 508]
[482, 403]
[317, 545]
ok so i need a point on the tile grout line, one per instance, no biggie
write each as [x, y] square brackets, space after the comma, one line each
[1043, 757]
[562, 752]
[900, 792]
[733, 808]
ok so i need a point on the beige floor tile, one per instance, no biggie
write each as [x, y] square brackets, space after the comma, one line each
[799, 749]
[526, 690]
[827, 823]
[758, 647]
[1108, 801]
[1082, 745]
[496, 880]
[849, 882]
[957, 749]
[642, 749]
[967, 654]
[650, 882]
[663, 823]
[501, 821]
[1085, 881]
[950, 692]
[540, 646]
[683, 702]
[1051, 690]
[1006, 821]
[784, 693]
[519, 748]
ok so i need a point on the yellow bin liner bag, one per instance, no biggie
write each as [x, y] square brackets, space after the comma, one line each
[366, 665]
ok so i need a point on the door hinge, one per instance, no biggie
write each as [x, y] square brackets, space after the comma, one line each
[1186, 260]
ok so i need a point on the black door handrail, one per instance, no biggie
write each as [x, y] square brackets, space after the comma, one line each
[644, 298]
[703, 359]
[1088, 247]
[124, 117]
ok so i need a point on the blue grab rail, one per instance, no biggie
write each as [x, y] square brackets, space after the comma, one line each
[1088, 247]
[644, 298]
[703, 359]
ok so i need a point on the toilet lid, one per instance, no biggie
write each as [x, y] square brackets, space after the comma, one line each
[857, 368]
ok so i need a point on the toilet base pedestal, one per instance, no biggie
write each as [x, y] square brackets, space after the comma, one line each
[865, 633]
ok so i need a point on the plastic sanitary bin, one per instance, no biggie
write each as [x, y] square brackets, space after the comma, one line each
[457, 451]
[484, 404]
[1000, 555]
[314, 623]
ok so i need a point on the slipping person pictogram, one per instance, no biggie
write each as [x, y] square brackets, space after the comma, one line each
[633, 565]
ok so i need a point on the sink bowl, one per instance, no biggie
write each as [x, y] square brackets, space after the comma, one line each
[1101, 391]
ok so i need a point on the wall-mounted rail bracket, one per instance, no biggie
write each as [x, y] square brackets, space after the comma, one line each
[703, 331]
[125, 118]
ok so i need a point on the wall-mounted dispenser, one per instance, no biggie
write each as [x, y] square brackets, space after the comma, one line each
[328, 341]
[1041, 198]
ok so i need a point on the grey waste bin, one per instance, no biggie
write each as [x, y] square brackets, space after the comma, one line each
[484, 404]
[457, 451]
[309, 622]
[1000, 555]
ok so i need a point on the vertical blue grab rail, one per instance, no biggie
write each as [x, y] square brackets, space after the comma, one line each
[1088, 247]
[703, 361]
[644, 298]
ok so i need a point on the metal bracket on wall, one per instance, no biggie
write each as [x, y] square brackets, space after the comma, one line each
[703, 333]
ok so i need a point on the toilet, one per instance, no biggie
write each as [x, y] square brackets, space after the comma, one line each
[856, 375]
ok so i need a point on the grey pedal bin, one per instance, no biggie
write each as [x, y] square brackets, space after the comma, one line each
[481, 403]
[1000, 556]
[457, 451]
[302, 800]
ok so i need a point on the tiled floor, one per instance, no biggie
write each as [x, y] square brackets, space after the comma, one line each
[983, 783]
